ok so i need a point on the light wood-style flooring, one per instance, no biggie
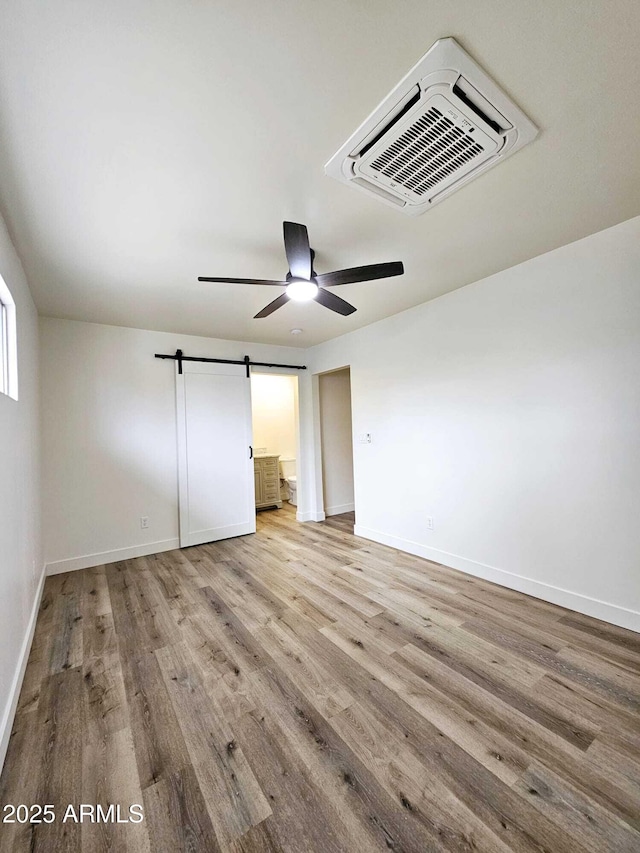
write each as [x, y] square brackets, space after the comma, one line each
[305, 690]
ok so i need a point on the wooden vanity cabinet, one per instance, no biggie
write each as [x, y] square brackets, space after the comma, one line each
[267, 477]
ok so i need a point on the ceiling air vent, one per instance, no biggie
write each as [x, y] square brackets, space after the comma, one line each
[445, 123]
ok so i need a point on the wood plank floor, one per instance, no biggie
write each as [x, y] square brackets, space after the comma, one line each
[305, 690]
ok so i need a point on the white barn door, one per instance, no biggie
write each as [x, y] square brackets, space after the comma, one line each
[215, 469]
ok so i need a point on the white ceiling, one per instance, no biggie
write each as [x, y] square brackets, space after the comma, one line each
[146, 142]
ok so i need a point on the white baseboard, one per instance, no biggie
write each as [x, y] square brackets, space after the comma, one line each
[16, 685]
[310, 516]
[90, 560]
[339, 509]
[612, 613]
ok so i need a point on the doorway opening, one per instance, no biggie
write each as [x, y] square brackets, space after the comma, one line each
[336, 436]
[276, 441]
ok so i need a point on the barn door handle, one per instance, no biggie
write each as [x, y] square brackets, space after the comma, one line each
[250, 452]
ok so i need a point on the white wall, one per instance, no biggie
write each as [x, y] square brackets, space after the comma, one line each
[109, 437]
[336, 441]
[21, 564]
[509, 411]
[273, 405]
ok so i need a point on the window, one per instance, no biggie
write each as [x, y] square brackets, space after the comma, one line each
[8, 347]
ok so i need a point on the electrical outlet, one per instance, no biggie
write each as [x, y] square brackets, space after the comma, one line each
[429, 522]
[144, 521]
[364, 438]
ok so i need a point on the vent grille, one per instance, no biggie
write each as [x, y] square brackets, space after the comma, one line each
[442, 126]
[430, 151]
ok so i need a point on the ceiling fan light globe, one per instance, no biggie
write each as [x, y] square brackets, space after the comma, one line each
[301, 290]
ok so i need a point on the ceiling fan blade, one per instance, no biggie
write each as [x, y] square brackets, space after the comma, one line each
[296, 245]
[368, 273]
[244, 280]
[272, 306]
[330, 300]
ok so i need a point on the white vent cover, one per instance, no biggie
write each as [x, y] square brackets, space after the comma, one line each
[445, 123]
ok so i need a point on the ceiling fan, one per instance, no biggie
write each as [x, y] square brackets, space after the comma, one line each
[302, 282]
